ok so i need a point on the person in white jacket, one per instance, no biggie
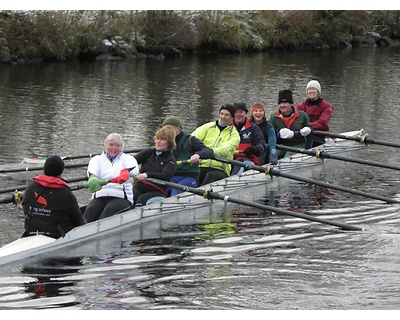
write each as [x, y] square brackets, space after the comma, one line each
[119, 168]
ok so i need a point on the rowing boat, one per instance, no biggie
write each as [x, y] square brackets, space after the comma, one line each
[188, 203]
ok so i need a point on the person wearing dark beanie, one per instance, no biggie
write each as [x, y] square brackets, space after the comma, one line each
[318, 110]
[173, 121]
[53, 166]
[50, 208]
[187, 147]
[291, 126]
[223, 138]
[285, 96]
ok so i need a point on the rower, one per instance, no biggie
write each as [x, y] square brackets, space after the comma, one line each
[50, 207]
[223, 138]
[291, 125]
[318, 110]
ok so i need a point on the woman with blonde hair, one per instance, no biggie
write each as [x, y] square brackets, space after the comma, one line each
[156, 162]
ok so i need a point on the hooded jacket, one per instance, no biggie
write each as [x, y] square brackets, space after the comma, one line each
[50, 207]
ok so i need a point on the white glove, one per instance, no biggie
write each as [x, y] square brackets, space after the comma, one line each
[285, 133]
[305, 131]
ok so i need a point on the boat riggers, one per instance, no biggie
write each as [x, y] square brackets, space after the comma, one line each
[363, 139]
[209, 194]
[273, 172]
[321, 154]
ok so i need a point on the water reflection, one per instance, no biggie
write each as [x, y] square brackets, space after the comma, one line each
[43, 287]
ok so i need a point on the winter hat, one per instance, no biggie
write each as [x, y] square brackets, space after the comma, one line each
[257, 106]
[240, 105]
[173, 121]
[53, 166]
[314, 84]
[285, 96]
[230, 108]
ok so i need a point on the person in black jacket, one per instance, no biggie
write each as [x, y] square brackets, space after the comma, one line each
[157, 162]
[188, 147]
[50, 207]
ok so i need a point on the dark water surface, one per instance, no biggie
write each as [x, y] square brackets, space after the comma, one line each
[239, 257]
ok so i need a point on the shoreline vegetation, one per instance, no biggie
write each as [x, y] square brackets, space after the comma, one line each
[56, 36]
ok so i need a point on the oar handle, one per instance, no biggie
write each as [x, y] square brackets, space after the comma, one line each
[180, 162]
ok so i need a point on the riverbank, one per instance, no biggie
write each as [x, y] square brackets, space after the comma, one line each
[46, 36]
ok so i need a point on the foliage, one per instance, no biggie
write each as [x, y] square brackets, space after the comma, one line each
[65, 35]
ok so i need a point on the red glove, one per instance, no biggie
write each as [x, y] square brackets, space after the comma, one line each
[123, 176]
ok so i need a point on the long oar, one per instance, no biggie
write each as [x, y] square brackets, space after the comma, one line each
[23, 187]
[89, 155]
[70, 165]
[214, 195]
[364, 139]
[274, 172]
[321, 154]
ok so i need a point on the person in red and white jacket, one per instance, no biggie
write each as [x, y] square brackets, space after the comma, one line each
[252, 143]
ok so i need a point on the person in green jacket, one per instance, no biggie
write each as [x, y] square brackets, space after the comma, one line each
[187, 148]
[291, 126]
[223, 138]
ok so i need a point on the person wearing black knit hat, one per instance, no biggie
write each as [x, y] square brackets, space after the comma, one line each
[291, 126]
[228, 107]
[318, 110]
[53, 166]
[223, 138]
[50, 207]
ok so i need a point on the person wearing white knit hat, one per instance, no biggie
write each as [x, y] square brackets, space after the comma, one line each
[313, 84]
[319, 111]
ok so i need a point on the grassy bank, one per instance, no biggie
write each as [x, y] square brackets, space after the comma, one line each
[33, 36]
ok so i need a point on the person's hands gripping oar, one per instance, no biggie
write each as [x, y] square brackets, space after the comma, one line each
[95, 184]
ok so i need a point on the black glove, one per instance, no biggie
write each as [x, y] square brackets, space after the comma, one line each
[250, 150]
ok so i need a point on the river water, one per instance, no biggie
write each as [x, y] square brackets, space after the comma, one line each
[248, 259]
